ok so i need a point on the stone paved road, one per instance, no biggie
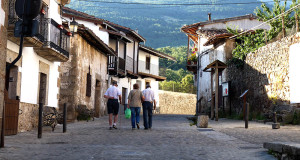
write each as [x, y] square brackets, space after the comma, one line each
[171, 138]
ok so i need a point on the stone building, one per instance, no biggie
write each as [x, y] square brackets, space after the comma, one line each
[84, 76]
[272, 77]
[3, 40]
[34, 78]
[211, 44]
[133, 63]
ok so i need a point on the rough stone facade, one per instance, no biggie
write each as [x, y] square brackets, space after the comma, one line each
[177, 103]
[28, 117]
[266, 75]
[3, 41]
[84, 59]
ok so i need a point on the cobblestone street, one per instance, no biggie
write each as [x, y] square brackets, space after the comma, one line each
[171, 138]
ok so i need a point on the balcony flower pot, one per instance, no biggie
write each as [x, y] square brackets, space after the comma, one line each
[60, 26]
[43, 11]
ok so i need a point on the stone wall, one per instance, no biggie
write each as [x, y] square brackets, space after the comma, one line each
[266, 76]
[177, 103]
[3, 41]
[83, 59]
[28, 117]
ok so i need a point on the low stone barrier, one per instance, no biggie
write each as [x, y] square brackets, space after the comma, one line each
[284, 150]
[177, 103]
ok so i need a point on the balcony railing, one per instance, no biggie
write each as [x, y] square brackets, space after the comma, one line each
[153, 68]
[56, 41]
[129, 64]
[116, 67]
[122, 64]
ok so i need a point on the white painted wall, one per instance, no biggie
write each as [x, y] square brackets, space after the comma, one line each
[54, 11]
[142, 55]
[30, 78]
[129, 51]
[2, 15]
[204, 86]
[294, 73]
[244, 24]
[53, 90]
[103, 35]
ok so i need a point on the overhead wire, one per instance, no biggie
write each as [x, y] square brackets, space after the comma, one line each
[289, 10]
[175, 4]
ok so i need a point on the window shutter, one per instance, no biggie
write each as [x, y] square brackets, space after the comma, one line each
[88, 84]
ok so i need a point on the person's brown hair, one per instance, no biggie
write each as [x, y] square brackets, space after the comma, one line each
[136, 86]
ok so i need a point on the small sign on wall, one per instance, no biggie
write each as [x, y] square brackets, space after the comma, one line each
[225, 89]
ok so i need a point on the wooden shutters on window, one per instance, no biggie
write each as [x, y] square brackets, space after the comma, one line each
[88, 85]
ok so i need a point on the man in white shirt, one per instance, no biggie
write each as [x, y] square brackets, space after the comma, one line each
[148, 106]
[112, 94]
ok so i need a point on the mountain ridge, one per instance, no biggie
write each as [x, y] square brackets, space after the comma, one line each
[160, 25]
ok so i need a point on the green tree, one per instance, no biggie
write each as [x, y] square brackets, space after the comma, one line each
[265, 13]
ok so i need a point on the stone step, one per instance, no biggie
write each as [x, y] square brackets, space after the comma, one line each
[290, 149]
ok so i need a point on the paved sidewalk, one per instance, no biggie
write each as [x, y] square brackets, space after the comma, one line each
[257, 133]
[171, 138]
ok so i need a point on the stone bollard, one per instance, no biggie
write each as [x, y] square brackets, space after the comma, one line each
[202, 121]
[275, 125]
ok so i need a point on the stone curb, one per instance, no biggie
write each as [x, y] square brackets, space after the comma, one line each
[292, 150]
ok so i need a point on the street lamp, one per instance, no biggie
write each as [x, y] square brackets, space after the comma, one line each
[73, 26]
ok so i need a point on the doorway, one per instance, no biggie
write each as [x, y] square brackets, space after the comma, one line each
[11, 102]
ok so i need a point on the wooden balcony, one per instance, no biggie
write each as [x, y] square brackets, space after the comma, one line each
[192, 66]
[116, 66]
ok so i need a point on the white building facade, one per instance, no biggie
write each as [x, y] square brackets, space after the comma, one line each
[34, 78]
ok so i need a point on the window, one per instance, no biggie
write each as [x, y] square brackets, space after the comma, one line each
[148, 63]
[88, 84]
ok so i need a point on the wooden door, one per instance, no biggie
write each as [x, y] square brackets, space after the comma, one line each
[11, 115]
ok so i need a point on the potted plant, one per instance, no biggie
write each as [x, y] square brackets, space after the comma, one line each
[192, 59]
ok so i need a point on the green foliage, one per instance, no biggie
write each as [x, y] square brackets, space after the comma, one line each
[250, 42]
[83, 117]
[247, 43]
[178, 78]
[265, 13]
[193, 119]
[177, 52]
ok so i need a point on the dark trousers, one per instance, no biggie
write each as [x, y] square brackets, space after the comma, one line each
[147, 114]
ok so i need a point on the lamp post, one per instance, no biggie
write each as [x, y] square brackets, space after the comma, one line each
[73, 26]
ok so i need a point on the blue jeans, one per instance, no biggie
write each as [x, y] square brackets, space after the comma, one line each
[147, 114]
[135, 115]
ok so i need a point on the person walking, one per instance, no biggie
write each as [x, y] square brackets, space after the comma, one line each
[112, 94]
[149, 104]
[135, 99]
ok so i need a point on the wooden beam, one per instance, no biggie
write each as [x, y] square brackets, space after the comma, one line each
[217, 92]
[212, 98]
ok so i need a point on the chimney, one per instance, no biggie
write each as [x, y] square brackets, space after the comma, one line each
[209, 16]
[136, 30]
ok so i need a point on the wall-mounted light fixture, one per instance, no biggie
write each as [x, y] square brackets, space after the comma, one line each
[73, 26]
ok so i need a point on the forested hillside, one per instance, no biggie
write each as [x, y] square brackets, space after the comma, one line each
[160, 24]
